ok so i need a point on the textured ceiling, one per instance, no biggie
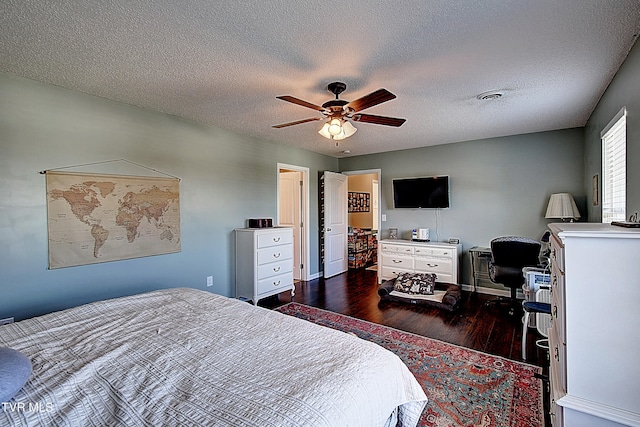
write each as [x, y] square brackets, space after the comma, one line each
[224, 62]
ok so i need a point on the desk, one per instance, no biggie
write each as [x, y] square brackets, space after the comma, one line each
[479, 257]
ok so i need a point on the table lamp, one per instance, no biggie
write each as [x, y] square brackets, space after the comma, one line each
[562, 206]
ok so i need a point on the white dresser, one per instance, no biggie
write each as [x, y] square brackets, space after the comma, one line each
[406, 256]
[595, 304]
[264, 262]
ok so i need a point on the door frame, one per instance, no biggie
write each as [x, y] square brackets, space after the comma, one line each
[367, 172]
[304, 201]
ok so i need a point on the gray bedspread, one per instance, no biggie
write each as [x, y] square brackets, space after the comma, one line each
[184, 357]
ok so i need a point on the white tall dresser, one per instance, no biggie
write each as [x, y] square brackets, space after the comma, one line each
[594, 346]
[264, 262]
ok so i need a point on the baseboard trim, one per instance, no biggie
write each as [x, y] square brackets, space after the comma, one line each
[492, 291]
[315, 276]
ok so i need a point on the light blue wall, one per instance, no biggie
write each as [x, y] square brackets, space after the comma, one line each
[225, 178]
[623, 91]
[498, 186]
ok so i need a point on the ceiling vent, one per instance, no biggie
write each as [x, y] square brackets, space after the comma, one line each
[489, 96]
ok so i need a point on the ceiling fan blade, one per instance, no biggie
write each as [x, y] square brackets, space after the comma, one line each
[379, 120]
[297, 122]
[367, 101]
[301, 102]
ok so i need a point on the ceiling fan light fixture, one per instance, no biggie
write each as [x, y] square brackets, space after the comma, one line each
[339, 112]
[335, 127]
[343, 127]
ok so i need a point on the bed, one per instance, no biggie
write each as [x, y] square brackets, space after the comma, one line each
[188, 357]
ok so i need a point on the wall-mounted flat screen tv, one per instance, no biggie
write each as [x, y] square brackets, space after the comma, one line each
[427, 192]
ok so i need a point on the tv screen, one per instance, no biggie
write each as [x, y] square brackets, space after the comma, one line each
[427, 192]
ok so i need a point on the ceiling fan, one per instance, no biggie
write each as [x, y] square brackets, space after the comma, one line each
[339, 111]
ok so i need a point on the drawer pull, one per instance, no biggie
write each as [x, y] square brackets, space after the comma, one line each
[556, 354]
[432, 265]
[397, 261]
[555, 311]
[277, 255]
[276, 269]
[276, 239]
[276, 283]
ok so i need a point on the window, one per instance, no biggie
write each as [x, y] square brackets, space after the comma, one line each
[614, 168]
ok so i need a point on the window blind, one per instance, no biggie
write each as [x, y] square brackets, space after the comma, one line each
[614, 168]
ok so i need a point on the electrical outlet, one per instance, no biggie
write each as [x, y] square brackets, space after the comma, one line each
[209, 281]
[384, 217]
[6, 321]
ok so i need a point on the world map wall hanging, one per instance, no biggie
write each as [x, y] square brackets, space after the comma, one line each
[95, 218]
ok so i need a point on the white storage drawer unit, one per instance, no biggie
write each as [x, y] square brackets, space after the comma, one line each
[595, 292]
[405, 256]
[264, 262]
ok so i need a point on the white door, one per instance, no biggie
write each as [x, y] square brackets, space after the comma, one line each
[335, 224]
[290, 213]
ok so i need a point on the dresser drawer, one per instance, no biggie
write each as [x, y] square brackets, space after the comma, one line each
[276, 283]
[558, 314]
[274, 254]
[397, 261]
[396, 249]
[433, 265]
[557, 253]
[275, 268]
[275, 238]
[430, 251]
[557, 383]
[557, 364]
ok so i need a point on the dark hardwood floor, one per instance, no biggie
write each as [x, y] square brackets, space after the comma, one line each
[485, 328]
[489, 329]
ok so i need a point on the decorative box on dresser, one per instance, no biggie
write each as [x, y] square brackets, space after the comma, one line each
[595, 304]
[402, 256]
[264, 262]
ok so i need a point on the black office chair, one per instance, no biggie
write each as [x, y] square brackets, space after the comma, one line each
[509, 255]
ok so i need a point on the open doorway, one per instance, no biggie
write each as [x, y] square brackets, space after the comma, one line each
[293, 211]
[341, 237]
[363, 218]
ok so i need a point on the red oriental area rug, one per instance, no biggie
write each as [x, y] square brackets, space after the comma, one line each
[465, 387]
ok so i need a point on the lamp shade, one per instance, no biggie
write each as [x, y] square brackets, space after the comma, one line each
[325, 131]
[347, 130]
[562, 205]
